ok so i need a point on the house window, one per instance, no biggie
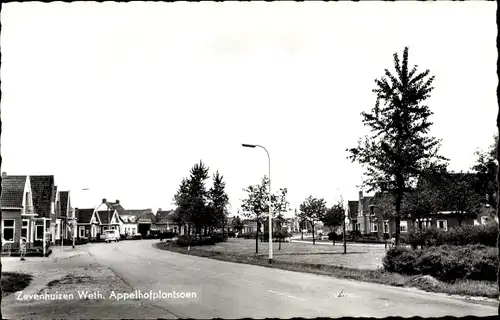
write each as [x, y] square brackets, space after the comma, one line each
[403, 226]
[39, 233]
[386, 226]
[374, 227]
[24, 229]
[442, 224]
[175, 229]
[8, 230]
[82, 232]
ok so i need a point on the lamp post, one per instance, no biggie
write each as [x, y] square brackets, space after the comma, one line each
[269, 200]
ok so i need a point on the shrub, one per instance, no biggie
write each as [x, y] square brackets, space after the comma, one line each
[167, 235]
[192, 241]
[231, 234]
[446, 262]
[277, 236]
[334, 236]
[354, 234]
[457, 236]
[248, 235]
[218, 237]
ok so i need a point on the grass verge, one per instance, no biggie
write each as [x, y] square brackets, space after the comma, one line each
[460, 287]
[13, 282]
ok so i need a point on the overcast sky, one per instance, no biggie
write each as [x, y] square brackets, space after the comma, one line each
[124, 98]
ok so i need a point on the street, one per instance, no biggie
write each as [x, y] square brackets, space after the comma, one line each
[229, 290]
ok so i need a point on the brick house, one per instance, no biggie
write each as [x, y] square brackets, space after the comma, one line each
[164, 222]
[64, 217]
[27, 205]
[84, 225]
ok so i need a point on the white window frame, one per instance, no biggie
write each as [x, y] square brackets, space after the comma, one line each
[9, 227]
[82, 232]
[374, 227]
[386, 226]
[445, 224]
[27, 227]
[403, 227]
[36, 233]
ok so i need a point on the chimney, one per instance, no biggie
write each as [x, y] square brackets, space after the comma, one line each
[159, 209]
[361, 195]
[117, 201]
[4, 174]
[104, 200]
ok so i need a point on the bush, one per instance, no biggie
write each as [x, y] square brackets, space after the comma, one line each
[193, 241]
[457, 236]
[231, 234]
[167, 235]
[277, 236]
[248, 235]
[218, 237]
[334, 236]
[446, 263]
[354, 235]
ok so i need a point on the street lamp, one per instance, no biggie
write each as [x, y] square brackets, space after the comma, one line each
[269, 200]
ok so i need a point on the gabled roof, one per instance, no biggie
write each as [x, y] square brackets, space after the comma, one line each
[164, 216]
[12, 191]
[103, 216]
[116, 206]
[42, 188]
[63, 202]
[84, 215]
[141, 215]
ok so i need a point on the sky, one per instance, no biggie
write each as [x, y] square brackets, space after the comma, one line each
[123, 99]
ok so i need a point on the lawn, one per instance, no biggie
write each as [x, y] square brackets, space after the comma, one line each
[359, 256]
[362, 263]
[13, 282]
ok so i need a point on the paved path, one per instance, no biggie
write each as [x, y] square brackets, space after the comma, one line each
[230, 290]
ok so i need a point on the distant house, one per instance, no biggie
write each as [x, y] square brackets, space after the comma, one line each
[144, 219]
[84, 218]
[250, 225]
[64, 217]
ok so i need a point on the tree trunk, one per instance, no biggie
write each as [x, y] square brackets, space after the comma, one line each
[397, 218]
[314, 242]
[302, 231]
[257, 239]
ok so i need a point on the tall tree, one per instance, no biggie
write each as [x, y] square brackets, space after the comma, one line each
[256, 205]
[313, 210]
[219, 201]
[334, 217]
[498, 189]
[182, 200]
[399, 147]
[280, 205]
[198, 196]
[486, 168]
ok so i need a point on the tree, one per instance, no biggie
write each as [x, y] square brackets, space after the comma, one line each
[313, 210]
[399, 147]
[237, 224]
[218, 201]
[302, 221]
[426, 198]
[182, 200]
[460, 197]
[256, 205]
[486, 168]
[193, 195]
[334, 217]
[280, 205]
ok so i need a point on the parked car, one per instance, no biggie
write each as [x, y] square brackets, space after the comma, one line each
[111, 235]
[137, 236]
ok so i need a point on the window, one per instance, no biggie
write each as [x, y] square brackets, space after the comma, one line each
[82, 232]
[8, 230]
[374, 227]
[175, 229]
[386, 226]
[442, 224]
[24, 229]
[39, 233]
[403, 226]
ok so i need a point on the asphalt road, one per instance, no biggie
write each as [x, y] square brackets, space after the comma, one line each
[229, 290]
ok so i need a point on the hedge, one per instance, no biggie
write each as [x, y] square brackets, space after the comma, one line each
[186, 240]
[457, 236]
[446, 262]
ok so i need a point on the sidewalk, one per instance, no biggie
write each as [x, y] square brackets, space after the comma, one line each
[340, 243]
